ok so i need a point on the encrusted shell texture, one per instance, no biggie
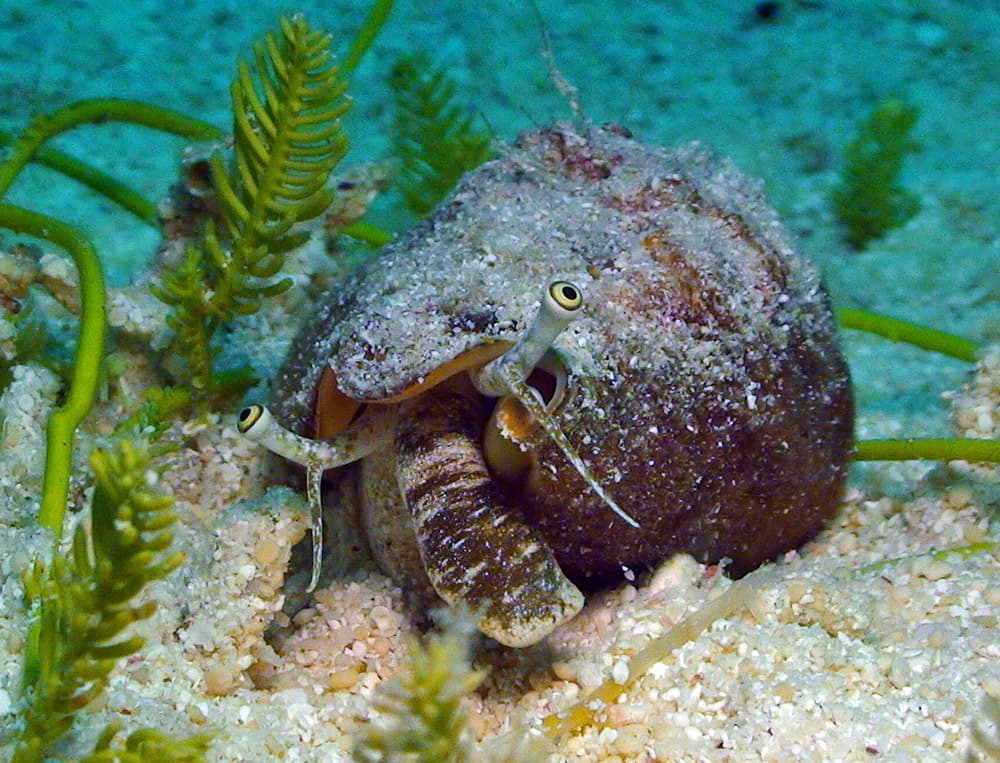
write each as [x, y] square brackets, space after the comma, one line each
[707, 391]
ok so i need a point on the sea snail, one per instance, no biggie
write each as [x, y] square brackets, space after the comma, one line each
[698, 402]
[450, 532]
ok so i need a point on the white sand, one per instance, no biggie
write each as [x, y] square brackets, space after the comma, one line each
[835, 659]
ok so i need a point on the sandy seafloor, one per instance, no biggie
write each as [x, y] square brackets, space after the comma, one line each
[833, 659]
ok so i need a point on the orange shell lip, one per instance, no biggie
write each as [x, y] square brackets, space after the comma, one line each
[513, 420]
[335, 410]
[509, 428]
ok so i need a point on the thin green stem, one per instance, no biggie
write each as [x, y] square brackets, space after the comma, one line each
[938, 555]
[127, 198]
[89, 352]
[98, 111]
[366, 35]
[903, 331]
[919, 449]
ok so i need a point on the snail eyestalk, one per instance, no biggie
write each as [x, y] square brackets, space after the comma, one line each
[561, 304]
[372, 431]
[507, 375]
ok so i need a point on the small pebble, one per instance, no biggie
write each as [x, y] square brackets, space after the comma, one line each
[303, 616]
[957, 497]
[359, 648]
[991, 685]
[936, 569]
[797, 588]
[218, 681]
[992, 596]
[340, 680]
[267, 551]
[565, 671]
[385, 619]
[196, 716]
[847, 543]
[937, 636]
[380, 646]
[589, 676]
[631, 740]
[784, 691]
[619, 672]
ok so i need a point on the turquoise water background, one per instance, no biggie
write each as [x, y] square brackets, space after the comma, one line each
[780, 87]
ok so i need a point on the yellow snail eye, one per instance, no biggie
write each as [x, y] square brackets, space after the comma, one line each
[561, 303]
[371, 432]
[248, 417]
[566, 295]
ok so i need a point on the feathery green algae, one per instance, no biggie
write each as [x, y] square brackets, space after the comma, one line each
[287, 104]
[431, 133]
[869, 201]
[83, 601]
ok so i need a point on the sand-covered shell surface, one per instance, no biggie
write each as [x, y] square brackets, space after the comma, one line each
[705, 390]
